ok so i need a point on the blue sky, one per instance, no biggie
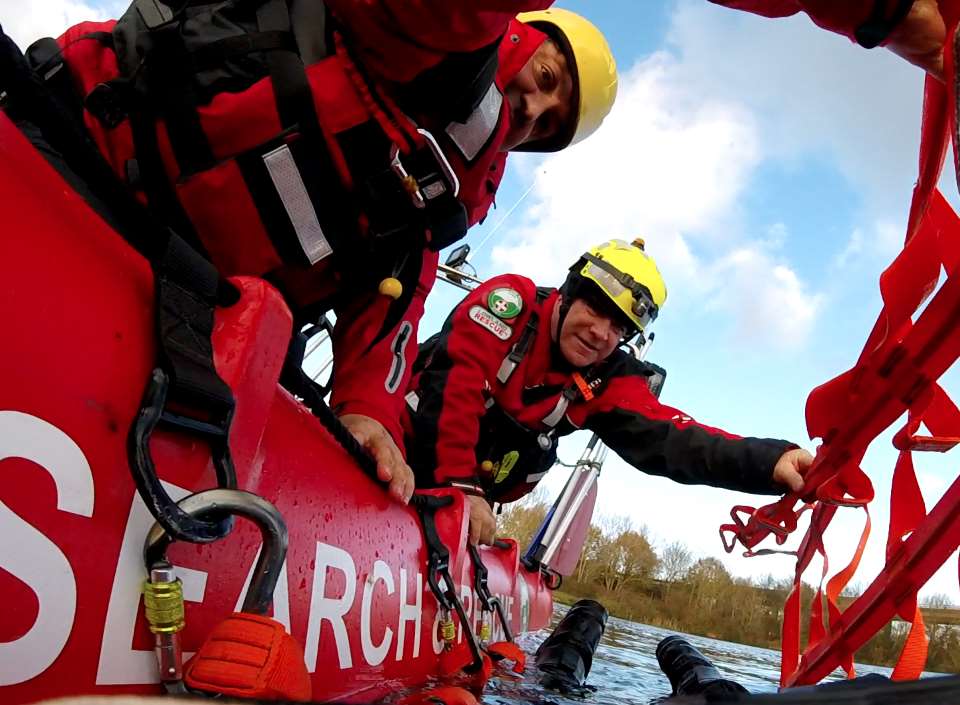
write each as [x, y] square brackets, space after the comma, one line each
[768, 165]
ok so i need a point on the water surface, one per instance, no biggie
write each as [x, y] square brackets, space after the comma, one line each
[625, 669]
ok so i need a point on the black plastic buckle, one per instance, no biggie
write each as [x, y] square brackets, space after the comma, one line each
[106, 103]
[426, 174]
[438, 568]
[488, 602]
[177, 523]
[432, 186]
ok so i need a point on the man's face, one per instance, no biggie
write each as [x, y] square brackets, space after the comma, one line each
[540, 97]
[589, 335]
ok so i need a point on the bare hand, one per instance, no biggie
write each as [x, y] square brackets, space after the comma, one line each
[919, 38]
[791, 467]
[483, 524]
[391, 468]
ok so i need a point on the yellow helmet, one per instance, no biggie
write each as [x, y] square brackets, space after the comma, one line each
[593, 67]
[627, 275]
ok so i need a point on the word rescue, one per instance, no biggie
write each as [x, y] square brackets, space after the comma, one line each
[38, 562]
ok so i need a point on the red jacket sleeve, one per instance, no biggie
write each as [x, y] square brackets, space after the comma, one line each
[373, 382]
[840, 16]
[464, 364]
[661, 440]
[397, 39]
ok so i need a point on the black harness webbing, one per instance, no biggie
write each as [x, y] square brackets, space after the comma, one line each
[519, 349]
[187, 289]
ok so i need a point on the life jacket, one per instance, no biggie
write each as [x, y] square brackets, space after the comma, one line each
[512, 457]
[261, 138]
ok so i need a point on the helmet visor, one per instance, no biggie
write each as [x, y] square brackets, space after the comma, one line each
[615, 284]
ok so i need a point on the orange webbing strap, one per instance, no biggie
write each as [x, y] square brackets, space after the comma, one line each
[908, 511]
[454, 660]
[250, 656]
[500, 650]
[914, 655]
[838, 582]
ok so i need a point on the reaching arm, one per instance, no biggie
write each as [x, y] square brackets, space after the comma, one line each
[661, 440]
[372, 381]
[914, 30]
[397, 39]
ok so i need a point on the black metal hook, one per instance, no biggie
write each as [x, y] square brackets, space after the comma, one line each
[171, 517]
[438, 568]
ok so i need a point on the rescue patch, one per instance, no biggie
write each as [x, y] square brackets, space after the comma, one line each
[505, 302]
[482, 317]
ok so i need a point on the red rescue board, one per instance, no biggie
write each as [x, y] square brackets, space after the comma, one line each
[77, 308]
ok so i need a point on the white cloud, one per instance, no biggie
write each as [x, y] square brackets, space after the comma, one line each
[770, 303]
[670, 166]
[881, 244]
[25, 22]
[663, 164]
[812, 92]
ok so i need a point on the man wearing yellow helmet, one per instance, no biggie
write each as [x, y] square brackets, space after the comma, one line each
[516, 366]
[332, 147]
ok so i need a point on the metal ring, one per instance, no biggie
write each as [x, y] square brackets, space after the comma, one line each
[217, 502]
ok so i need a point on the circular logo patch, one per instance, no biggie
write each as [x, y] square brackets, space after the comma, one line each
[505, 303]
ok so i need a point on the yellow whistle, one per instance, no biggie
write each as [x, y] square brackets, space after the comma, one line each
[391, 287]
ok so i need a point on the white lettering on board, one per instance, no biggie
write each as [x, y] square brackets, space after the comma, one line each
[330, 609]
[33, 558]
[374, 653]
[410, 613]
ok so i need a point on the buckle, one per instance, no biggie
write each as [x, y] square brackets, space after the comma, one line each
[427, 175]
[215, 431]
[106, 104]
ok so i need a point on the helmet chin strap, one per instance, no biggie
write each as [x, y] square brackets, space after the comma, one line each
[559, 359]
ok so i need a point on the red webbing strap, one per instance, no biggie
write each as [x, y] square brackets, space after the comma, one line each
[250, 656]
[895, 372]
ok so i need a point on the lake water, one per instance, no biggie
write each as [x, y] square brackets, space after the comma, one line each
[625, 669]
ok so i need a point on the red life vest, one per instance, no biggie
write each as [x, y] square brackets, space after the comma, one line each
[278, 164]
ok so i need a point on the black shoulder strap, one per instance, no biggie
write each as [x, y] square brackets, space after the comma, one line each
[425, 352]
[187, 290]
[522, 346]
[452, 90]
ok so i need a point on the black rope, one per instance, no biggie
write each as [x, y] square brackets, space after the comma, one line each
[293, 378]
[346, 440]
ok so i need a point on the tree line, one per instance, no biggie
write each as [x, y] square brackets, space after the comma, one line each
[638, 579]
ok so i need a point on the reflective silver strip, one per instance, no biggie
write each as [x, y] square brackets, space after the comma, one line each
[506, 369]
[413, 400]
[399, 348]
[296, 201]
[553, 418]
[471, 136]
[537, 476]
